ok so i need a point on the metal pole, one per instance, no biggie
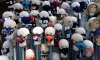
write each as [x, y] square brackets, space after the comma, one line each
[14, 53]
[23, 54]
[50, 50]
[37, 58]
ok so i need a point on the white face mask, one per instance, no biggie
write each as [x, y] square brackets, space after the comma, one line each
[88, 54]
[98, 44]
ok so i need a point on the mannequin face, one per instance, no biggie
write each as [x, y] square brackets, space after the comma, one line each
[98, 39]
[95, 24]
[92, 9]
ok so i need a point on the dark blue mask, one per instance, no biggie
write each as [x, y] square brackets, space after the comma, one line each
[7, 31]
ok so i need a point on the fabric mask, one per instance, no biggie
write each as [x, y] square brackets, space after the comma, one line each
[8, 31]
[20, 39]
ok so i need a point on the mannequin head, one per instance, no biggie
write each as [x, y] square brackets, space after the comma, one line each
[91, 9]
[93, 23]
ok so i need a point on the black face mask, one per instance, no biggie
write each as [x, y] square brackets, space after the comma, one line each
[76, 9]
[46, 7]
[18, 11]
[44, 18]
[36, 7]
[83, 5]
[64, 51]
[75, 24]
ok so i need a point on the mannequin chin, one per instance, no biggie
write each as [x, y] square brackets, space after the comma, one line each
[98, 40]
[98, 44]
[92, 9]
[94, 25]
[91, 14]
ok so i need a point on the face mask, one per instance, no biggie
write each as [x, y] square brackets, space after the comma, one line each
[7, 31]
[89, 52]
[18, 11]
[36, 37]
[20, 39]
[25, 20]
[49, 38]
[80, 45]
[46, 7]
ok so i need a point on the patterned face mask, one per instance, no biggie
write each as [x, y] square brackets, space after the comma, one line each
[7, 31]
[20, 39]
[36, 37]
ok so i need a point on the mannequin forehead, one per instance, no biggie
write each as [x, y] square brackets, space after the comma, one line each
[93, 6]
[94, 21]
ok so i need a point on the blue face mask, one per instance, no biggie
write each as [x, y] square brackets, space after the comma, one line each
[26, 4]
[7, 31]
[25, 20]
[80, 45]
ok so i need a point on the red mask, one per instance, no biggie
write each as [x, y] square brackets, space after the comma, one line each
[20, 39]
[49, 38]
